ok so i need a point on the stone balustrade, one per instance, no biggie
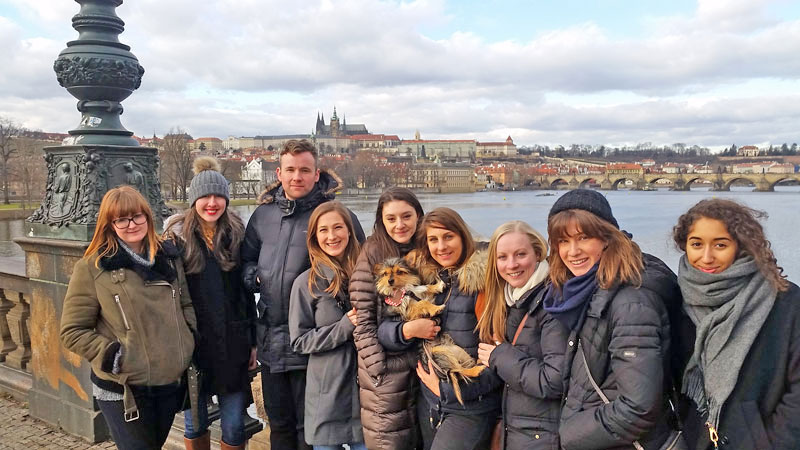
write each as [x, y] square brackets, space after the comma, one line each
[15, 339]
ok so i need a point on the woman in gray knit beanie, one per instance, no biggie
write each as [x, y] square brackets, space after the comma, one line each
[210, 236]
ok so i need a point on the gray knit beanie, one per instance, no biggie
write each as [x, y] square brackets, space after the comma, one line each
[207, 180]
[587, 200]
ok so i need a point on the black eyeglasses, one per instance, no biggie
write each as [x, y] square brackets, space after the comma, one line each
[123, 222]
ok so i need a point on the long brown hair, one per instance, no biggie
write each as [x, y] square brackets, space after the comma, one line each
[342, 266]
[228, 236]
[742, 224]
[122, 201]
[621, 261]
[492, 322]
[445, 219]
[387, 247]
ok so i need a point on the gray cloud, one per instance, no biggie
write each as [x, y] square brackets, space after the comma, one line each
[289, 60]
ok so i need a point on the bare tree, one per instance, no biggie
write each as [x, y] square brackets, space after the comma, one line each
[176, 162]
[9, 132]
[30, 169]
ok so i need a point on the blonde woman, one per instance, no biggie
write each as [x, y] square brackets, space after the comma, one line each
[128, 312]
[527, 349]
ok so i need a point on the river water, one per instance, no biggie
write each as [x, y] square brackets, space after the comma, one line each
[649, 216]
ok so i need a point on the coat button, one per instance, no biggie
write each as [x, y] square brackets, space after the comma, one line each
[536, 436]
[571, 343]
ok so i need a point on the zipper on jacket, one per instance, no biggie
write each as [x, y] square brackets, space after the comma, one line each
[177, 322]
[712, 434]
[122, 311]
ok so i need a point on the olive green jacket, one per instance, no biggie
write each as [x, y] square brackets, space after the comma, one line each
[151, 318]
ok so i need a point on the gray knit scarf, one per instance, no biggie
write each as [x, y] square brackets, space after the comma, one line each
[729, 309]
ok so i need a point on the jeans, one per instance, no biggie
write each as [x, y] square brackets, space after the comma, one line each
[448, 431]
[231, 418]
[157, 407]
[284, 399]
[352, 445]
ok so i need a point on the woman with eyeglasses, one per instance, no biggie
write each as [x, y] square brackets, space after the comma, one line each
[128, 312]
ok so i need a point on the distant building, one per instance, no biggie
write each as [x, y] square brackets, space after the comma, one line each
[335, 129]
[629, 170]
[747, 151]
[377, 142]
[444, 178]
[443, 148]
[488, 149]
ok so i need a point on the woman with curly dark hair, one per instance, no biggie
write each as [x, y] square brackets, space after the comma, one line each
[744, 373]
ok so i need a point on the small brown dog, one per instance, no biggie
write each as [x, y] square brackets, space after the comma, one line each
[400, 282]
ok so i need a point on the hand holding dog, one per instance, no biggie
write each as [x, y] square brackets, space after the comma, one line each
[352, 316]
[428, 378]
[485, 352]
[420, 328]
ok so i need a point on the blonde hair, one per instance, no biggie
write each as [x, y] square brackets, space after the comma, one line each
[122, 201]
[492, 323]
[621, 261]
[342, 266]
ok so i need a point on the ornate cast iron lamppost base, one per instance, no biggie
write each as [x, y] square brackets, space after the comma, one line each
[100, 153]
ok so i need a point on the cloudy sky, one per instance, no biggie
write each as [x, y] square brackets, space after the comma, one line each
[707, 72]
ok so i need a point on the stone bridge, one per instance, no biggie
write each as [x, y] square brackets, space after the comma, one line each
[679, 182]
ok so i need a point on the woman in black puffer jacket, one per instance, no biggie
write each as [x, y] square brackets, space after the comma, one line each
[614, 300]
[446, 243]
[528, 344]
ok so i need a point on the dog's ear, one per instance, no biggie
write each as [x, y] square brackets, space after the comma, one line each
[414, 258]
[376, 269]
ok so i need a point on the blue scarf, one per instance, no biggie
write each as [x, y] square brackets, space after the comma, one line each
[569, 304]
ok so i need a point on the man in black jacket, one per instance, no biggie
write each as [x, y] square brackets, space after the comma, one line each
[274, 253]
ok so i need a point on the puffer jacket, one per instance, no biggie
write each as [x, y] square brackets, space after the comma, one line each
[147, 313]
[458, 319]
[319, 327]
[274, 252]
[531, 370]
[626, 341]
[386, 379]
[763, 411]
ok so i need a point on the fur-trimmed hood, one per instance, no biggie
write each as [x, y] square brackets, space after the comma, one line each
[162, 269]
[472, 274]
[327, 186]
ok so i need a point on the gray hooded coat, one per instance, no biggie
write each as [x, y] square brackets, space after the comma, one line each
[320, 329]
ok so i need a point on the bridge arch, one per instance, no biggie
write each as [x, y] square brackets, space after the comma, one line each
[587, 182]
[732, 180]
[616, 182]
[557, 182]
[788, 177]
[692, 178]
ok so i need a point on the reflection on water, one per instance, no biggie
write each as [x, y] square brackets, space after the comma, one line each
[649, 216]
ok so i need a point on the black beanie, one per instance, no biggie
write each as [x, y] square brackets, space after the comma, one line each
[587, 200]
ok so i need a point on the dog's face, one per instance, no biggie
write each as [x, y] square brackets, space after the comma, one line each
[393, 274]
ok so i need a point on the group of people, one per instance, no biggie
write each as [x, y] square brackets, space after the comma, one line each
[587, 342]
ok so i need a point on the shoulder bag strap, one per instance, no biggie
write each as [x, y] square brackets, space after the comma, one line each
[597, 389]
[519, 329]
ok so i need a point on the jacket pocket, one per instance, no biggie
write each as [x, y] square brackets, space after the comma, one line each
[125, 321]
[755, 423]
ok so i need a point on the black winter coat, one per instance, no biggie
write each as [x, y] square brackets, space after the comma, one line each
[626, 340]
[531, 370]
[226, 325]
[458, 319]
[763, 411]
[274, 250]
